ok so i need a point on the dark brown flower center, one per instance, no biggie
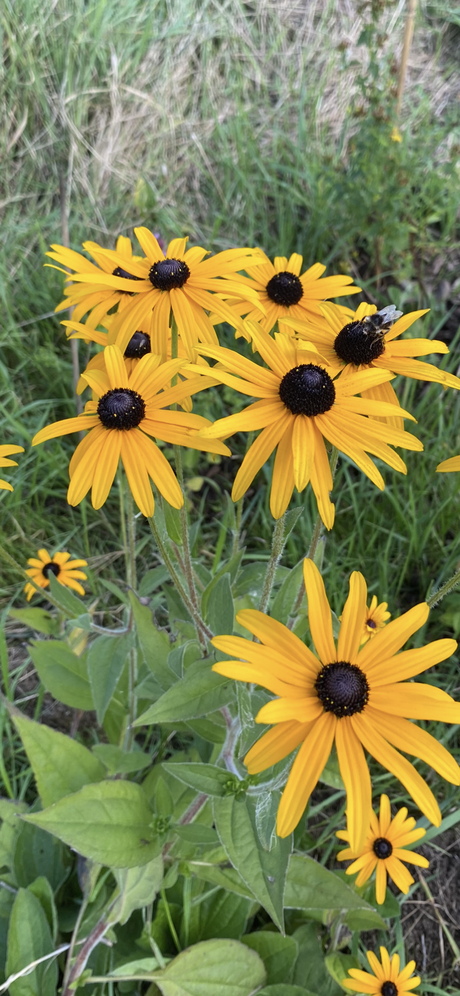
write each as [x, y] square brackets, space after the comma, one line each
[121, 409]
[342, 688]
[359, 343]
[168, 274]
[389, 989]
[120, 272]
[371, 623]
[51, 568]
[382, 848]
[138, 346]
[307, 390]
[285, 288]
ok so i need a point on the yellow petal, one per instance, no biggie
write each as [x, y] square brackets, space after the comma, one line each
[319, 613]
[305, 772]
[353, 619]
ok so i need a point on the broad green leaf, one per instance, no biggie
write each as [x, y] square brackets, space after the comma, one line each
[172, 523]
[310, 968]
[212, 968]
[38, 619]
[140, 966]
[212, 728]
[138, 888]
[313, 888]
[287, 594]
[220, 614]
[63, 673]
[290, 521]
[154, 644]
[195, 695]
[41, 888]
[152, 580]
[338, 964]
[231, 567]
[35, 854]
[202, 777]
[389, 908]
[221, 914]
[108, 823]
[115, 589]
[226, 878]
[263, 871]
[106, 660]
[61, 765]
[197, 833]
[29, 938]
[10, 828]
[278, 953]
[68, 602]
[284, 989]
[118, 761]
[267, 804]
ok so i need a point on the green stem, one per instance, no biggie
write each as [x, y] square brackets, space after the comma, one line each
[275, 557]
[442, 592]
[237, 530]
[200, 625]
[130, 552]
[188, 566]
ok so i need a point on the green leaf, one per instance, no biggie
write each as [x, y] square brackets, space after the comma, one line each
[290, 521]
[38, 619]
[29, 938]
[220, 614]
[197, 833]
[202, 777]
[338, 964]
[226, 878]
[278, 953]
[283, 989]
[230, 567]
[195, 695]
[68, 602]
[220, 914]
[389, 908]
[36, 854]
[106, 660]
[310, 966]
[108, 823]
[63, 673]
[212, 968]
[10, 827]
[264, 872]
[41, 888]
[154, 644]
[138, 887]
[287, 594]
[115, 590]
[152, 580]
[118, 761]
[61, 765]
[172, 523]
[313, 888]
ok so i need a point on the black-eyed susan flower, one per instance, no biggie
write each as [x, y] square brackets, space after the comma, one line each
[387, 980]
[284, 291]
[6, 451]
[357, 696]
[139, 345]
[302, 403]
[376, 618]
[68, 572]
[99, 297]
[129, 410]
[181, 281]
[385, 850]
[368, 340]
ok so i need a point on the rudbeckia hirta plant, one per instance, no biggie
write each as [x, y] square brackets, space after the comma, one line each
[356, 697]
[303, 402]
[100, 296]
[129, 410]
[180, 281]
[68, 572]
[387, 979]
[285, 291]
[6, 451]
[384, 850]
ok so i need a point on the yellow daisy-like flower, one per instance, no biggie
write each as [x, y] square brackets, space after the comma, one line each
[387, 980]
[5, 451]
[368, 340]
[383, 851]
[130, 409]
[284, 291]
[182, 281]
[376, 618]
[99, 298]
[65, 570]
[447, 466]
[302, 402]
[357, 697]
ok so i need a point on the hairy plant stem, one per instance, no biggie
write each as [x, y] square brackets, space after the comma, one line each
[438, 595]
[231, 740]
[275, 557]
[131, 578]
[316, 536]
[201, 628]
[91, 942]
[73, 939]
[237, 529]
